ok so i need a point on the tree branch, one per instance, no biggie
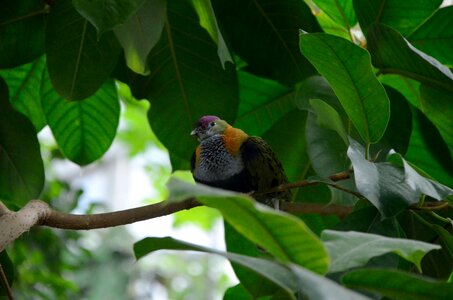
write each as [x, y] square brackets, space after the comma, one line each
[316, 208]
[37, 212]
[61, 220]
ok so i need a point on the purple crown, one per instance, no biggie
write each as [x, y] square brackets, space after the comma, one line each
[205, 120]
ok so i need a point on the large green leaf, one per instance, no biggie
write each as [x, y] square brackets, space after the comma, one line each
[24, 83]
[271, 270]
[77, 60]
[368, 219]
[21, 167]
[327, 117]
[85, 129]
[347, 68]
[209, 22]
[404, 16]
[398, 285]
[391, 53]
[264, 34]
[255, 284]
[107, 14]
[399, 129]
[237, 292]
[187, 81]
[340, 11]
[437, 107]
[327, 153]
[21, 32]
[316, 287]
[291, 278]
[391, 187]
[282, 235]
[435, 36]
[140, 33]
[262, 103]
[287, 139]
[353, 249]
[428, 151]
[419, 183]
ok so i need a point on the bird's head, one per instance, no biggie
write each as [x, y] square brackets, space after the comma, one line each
[208, 126]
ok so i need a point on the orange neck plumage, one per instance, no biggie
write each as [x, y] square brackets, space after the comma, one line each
[233, 139]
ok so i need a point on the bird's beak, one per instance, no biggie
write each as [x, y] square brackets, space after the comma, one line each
[194, 132]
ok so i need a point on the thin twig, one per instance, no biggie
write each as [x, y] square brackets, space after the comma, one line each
[5, 284]
[283, 187]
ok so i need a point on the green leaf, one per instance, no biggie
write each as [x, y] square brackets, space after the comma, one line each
[77, 61]
[21, 167]
[353, 249]
[287, 139]
[84, 130]
[203, 217]
[328, 117]
[140, 33]
[391, 53]
[24, 83]
[262, 33]
[435, 36]
[348, 71]
[399, 129]
[186, 76]
[21, 32]
[367, 219]
[445, 236]
[262, 103]
[282, 235]
[327, 155]
[208, 21]
[291, 278]
[271, 270]
[256, 285]
[391, 188]
[437, 107]
[340, 11]
[398, 285]
[314, 286]
[330, 26]
[237, 292]
[404, 16]
[107, 14]
[428, 151]
[419, 183]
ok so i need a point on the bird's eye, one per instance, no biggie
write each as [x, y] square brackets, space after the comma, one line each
[212, 124]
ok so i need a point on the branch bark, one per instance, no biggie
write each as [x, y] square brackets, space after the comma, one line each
[38, 213]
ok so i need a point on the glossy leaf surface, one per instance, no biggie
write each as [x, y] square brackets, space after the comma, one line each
[348, 71]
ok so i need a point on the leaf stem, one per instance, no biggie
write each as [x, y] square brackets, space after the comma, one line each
[438, 217]
[29, 15]
[367, 151]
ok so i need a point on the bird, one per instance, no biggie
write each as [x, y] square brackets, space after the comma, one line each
[229, 158]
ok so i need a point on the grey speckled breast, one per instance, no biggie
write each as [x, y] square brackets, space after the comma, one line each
[216, 163]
